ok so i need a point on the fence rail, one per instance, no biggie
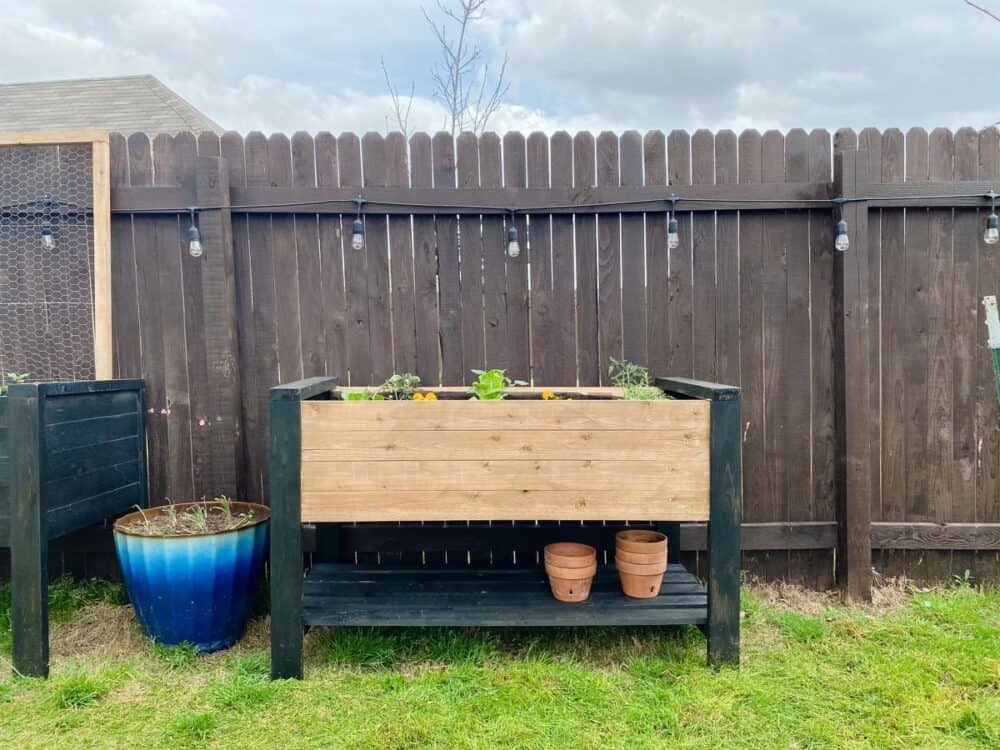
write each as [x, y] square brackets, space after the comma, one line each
[867, 388]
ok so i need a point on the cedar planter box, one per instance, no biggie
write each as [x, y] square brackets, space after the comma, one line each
[71, 455]
[593, 457]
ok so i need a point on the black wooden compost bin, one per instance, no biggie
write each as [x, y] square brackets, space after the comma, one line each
[71, 455]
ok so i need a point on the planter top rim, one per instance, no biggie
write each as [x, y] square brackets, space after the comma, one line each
[262, 511]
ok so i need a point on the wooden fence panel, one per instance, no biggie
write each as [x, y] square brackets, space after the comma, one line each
[747, 298]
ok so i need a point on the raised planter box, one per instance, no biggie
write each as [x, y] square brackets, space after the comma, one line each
[71, 455]
[589, 458]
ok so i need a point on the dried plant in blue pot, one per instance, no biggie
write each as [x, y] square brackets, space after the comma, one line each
[192, 570]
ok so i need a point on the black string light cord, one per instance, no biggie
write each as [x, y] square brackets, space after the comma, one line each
[669, 205]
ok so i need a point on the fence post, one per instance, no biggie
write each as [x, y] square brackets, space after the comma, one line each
[853, 332]
[218, 284]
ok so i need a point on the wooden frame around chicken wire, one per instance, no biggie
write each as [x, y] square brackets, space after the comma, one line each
[101, 187]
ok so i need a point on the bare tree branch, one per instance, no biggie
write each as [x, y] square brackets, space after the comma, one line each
[400, 113]
[460, 79]
[981, 9]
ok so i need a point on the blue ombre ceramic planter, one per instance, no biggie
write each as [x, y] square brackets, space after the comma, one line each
[195, 589]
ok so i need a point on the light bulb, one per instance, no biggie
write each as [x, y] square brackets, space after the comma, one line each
[195, 247]
[673, 234]
[513, 246]
[358, 235]
[992, 234]
[48, 237]
[842, 241]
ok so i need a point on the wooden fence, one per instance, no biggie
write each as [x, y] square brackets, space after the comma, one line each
[868, 393]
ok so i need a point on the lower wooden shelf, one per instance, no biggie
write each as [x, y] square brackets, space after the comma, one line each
[408, 597]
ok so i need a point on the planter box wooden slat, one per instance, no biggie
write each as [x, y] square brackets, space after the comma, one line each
[592, 457]
[545, 461]
[71, 455]
[422, 597]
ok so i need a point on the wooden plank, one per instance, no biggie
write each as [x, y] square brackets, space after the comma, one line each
[494, 249]
[609, 303]
[680, 314]
[377, 249]
[563, 287]
[308, 264]
[449, 284]
[248, 479]
[223, 422]
[140, 161]
[285, 267]
[755, 490]
[916, 383]
[286, 537]
[940, 364]
[931, 536]
[528, 445]
[588, 363]
[635, 344]
[193, 303]
[987, 424]
[854, 550]
[52, 137]
[518, 313]
[101, 203]
[470, 253]
[964, 336]
[542, 317]
[404, 354]
[383, 416]
[556, 501]
[262, 290]
[125, 321]
[168, 246]
[894, 309]
[331, 253]
[355, 269]
[703, 260]
[425, 268]
[497, 201]
[489, 598]
[29, 551]
[655, 174]
[727, 253]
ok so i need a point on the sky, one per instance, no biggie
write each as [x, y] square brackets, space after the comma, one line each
[574, 64]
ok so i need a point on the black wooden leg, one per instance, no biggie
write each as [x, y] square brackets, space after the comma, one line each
[286, 539]
[29, 542]
[724, 533]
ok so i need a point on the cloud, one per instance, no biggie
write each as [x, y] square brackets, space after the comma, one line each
[593, 64]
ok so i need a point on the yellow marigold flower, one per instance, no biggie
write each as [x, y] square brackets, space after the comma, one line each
[418, 397]
[548, 395]
[431, 397]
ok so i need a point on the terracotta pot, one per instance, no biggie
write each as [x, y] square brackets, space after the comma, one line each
[641, 541]
[570, 555]
[571, 584]
[640, 568]
[640, 558]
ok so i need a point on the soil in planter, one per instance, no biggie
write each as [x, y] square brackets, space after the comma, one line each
[189, 519]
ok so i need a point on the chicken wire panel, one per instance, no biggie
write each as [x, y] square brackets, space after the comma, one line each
[46, 294]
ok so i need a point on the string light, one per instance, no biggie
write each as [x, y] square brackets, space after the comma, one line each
[195, 248]
[358, 230]
[513, 246]
[48, 233]
[992, 234]
[673, 228]
[842, 241]
[48, 236]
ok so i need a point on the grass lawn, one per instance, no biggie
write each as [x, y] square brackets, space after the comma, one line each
[924, 674]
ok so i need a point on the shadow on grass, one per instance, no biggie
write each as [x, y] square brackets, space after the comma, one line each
[392, 648]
